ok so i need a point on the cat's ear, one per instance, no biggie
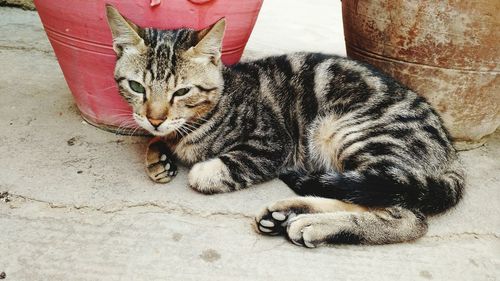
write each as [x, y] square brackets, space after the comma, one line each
[209, 43]
[125, 33]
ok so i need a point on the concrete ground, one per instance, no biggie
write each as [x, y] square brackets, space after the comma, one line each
[75, 203]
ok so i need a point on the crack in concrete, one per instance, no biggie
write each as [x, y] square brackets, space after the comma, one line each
[169, 207]
[27, 49]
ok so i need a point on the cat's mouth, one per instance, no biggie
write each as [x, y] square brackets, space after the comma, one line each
[166, 128]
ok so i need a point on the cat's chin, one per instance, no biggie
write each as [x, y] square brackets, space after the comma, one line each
[160, 133]
[152, 131]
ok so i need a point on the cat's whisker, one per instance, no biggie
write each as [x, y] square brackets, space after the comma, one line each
[122, 115]
[126, 126]
[179, 133]
[183, 130]
[123, 111]
[133, 132]
[190, 126]
[124, 130]
[186, 129]
[126, 122]
[202, 119]
[130, 122]
[123, 118]
[195, 123]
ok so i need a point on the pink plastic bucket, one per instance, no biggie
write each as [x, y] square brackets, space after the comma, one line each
[81, 39]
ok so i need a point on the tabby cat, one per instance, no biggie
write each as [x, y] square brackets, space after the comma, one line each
[373, 155]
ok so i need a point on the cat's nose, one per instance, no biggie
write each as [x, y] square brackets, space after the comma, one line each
[156, 122]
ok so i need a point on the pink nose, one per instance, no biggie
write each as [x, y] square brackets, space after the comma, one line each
[155, 122]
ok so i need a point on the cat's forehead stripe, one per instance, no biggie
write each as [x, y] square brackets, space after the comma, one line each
[162, 56]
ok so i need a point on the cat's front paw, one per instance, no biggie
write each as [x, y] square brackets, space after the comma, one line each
[209, 177]
[160, 165]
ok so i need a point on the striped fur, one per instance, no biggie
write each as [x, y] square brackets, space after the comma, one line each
[330, 127]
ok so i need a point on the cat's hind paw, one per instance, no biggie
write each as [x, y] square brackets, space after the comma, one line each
[274, 219]
[160, 165]
[273, 223]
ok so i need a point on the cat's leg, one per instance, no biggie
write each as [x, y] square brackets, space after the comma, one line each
[274, 219]
[235, 170]
[160, 165]
[377, 226]
[315, 221]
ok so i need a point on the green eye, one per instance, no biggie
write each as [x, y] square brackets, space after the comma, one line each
[136, 87]
[181, 92]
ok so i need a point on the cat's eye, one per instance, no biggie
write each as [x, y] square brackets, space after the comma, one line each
[136, 87]
[181, 92]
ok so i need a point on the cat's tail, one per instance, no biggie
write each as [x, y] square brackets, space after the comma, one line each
[430, 196]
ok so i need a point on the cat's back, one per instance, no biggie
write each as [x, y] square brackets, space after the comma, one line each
[310, 84]
[317, 83]
[303, 73]
[306, 87]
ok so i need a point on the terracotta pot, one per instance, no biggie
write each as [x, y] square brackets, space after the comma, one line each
[447, 51]
[81, 39]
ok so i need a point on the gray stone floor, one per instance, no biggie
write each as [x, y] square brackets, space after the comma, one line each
[79, 206]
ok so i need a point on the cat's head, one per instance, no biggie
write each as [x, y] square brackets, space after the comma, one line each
[170, 78]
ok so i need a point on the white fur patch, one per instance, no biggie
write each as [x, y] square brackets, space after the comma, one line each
[209, 176]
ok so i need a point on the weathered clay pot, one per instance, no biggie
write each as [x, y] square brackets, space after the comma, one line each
[448, 51]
